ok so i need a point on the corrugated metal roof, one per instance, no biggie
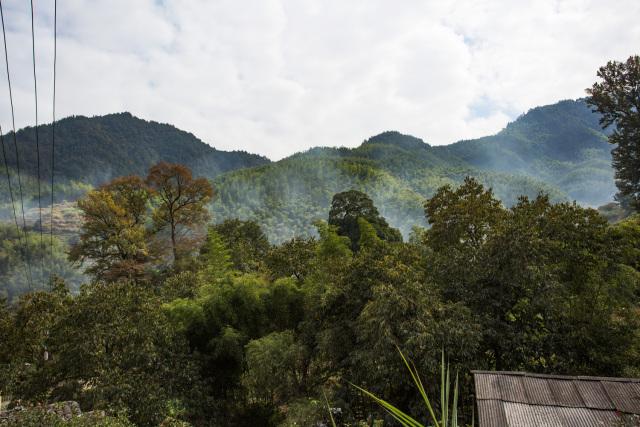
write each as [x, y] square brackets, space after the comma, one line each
[508, 399]
[491, 413]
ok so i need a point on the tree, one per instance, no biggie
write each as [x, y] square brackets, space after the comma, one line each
[214, 257]
[617, 98]
[182, 202]
[246, 242]
[13, 277]
[348, 206]
[542, 279]
[113, 236]
[273, 369]
[292, 258]
[114, 349]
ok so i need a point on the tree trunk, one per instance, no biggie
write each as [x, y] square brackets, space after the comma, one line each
[173, 242]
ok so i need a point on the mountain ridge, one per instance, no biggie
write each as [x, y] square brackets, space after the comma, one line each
[96, 149]
[558, 149]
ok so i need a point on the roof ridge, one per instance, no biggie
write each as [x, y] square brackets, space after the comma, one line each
[559, 377]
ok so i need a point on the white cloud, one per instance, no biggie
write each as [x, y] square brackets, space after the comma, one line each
[278, 76]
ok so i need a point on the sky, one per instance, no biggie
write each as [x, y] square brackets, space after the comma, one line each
[276, 77]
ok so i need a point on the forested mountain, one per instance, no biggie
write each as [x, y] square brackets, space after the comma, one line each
[561, 144]
[558, 149]
[95, 149]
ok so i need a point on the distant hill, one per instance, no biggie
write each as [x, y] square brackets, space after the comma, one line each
[557, 149]
[561, 144]
[95, 149]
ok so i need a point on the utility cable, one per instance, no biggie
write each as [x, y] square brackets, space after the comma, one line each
[35, 89]
[13, 203]
[53, 123]
[15, 146]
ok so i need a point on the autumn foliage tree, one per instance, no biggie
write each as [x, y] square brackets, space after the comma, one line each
[114, 236]
[124, 221]
[181, 202]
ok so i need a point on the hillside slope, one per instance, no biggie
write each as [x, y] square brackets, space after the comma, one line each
[95, 149]
[557, 149]
[561, 144]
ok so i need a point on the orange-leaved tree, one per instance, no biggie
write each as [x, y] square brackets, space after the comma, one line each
[114, 238]
[181, 202]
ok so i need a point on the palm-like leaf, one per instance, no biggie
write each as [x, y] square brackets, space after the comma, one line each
[448, 418]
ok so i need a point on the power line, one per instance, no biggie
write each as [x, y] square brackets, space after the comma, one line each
[15, 146]
[35, 89]
[13, 203]
[53, 123]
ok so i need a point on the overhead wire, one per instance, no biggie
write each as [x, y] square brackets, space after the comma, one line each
[35, 89]
[15, 145]
[13, 203]
[53, 123]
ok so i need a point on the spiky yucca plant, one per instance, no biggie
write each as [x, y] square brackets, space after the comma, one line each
[448, 413]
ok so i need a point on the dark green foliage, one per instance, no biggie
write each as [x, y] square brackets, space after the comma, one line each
[255, 334]
[14, 274]
[551, 293]
[38, 417]
[292, 258]
[246, 243]
[617, 98]
[349, 206]
[95, 149]
[109, 348]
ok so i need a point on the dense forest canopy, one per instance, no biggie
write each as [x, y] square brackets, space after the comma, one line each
[236, 330]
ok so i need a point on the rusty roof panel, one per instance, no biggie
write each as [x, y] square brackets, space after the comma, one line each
[491, 414]
[624, 396]
[511, 389]
[565, 393]
[538, 391]
[487, 386]
[593, 394]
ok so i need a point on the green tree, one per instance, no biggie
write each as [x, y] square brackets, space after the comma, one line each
[215, 257]
[292, 258]
[348, 206]
[115, 350]
[543, 279]
[247, 243]
[617, 98]
[28, 344]
[274, 364]
[14, 280]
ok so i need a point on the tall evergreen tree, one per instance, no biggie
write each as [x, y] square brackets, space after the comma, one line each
[347, 207]
[617, 98]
